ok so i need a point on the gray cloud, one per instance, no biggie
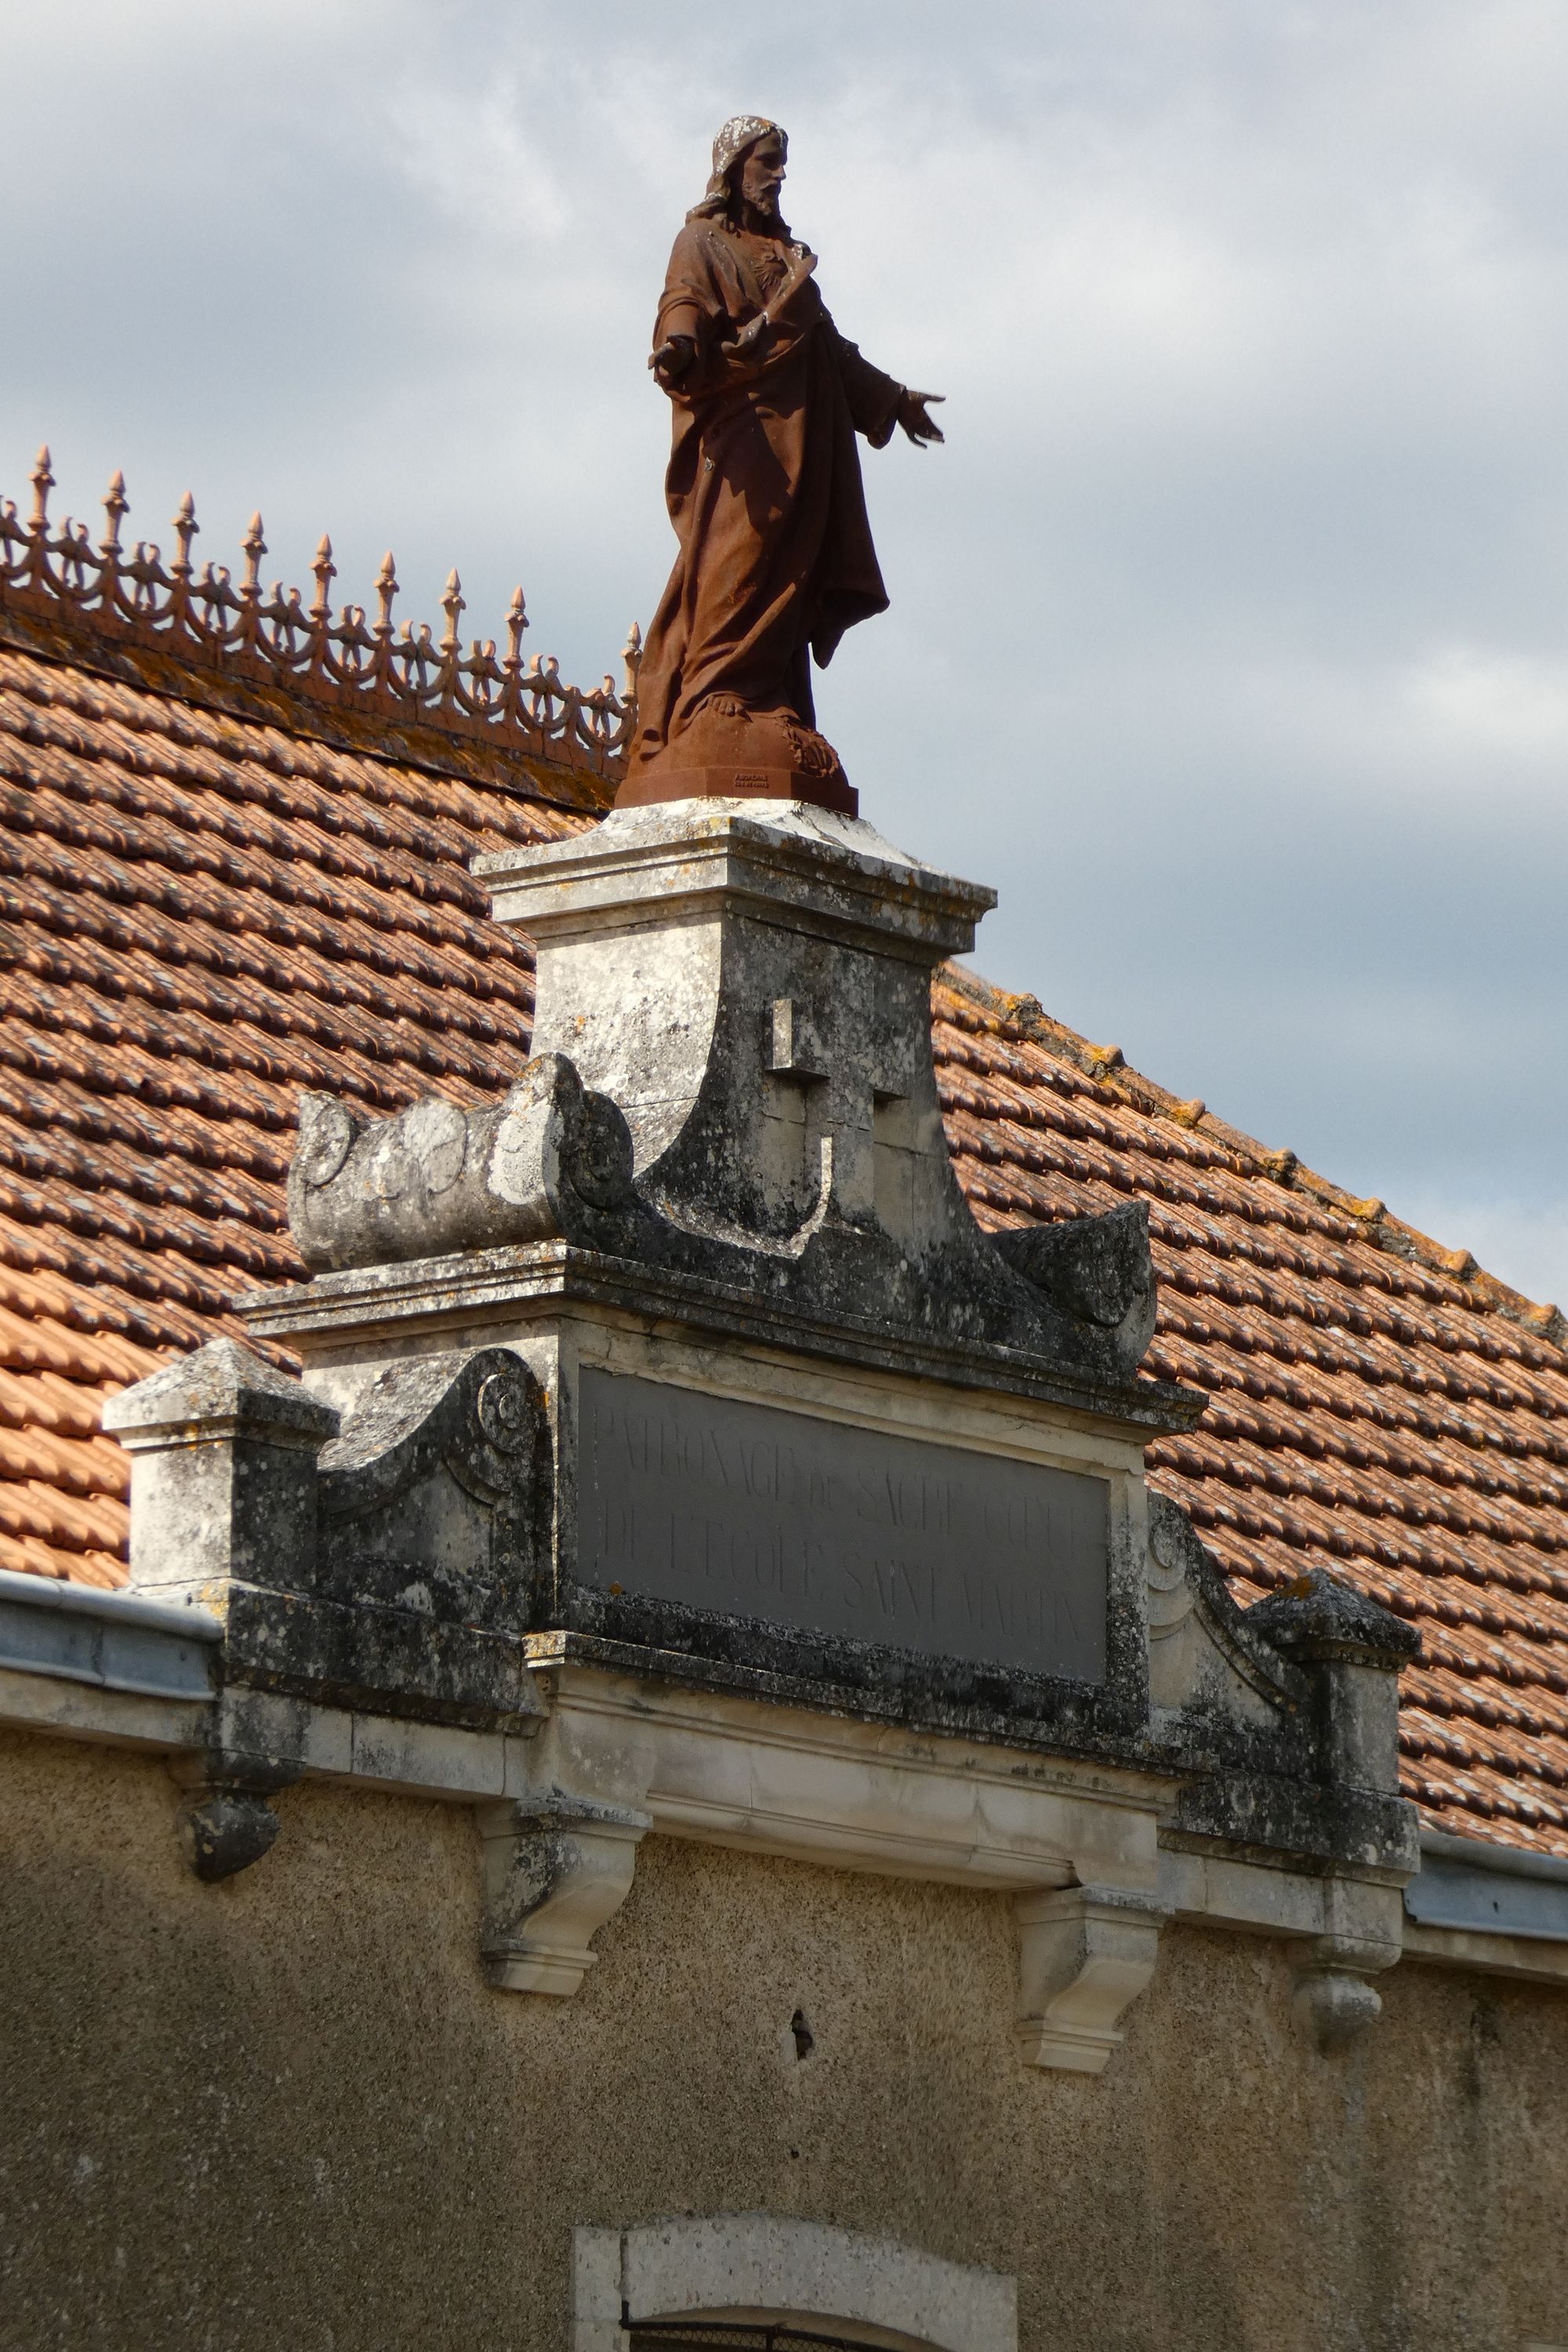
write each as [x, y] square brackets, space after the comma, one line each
[1228, 629]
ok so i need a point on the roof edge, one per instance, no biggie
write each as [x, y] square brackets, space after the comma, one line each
[1108, 1067]
[272, 644]
[64, 643]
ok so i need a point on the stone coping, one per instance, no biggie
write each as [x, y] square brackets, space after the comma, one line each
[535, 1279]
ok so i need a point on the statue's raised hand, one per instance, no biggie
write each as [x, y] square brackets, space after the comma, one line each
[914, 418]
[673, 359]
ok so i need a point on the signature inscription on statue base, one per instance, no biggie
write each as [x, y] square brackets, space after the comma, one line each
[748, 1511]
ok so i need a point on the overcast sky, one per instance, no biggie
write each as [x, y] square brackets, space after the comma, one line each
[1230, 629]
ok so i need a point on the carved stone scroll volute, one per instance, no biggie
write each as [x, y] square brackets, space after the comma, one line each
[436, 1498]
[550, 1162]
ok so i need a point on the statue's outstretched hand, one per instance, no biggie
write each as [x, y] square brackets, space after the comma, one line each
[673, 359]
[913, 417]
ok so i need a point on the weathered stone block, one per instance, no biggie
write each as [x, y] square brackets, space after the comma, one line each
[223, 1481]
[436, 1498]
[1355, 1650]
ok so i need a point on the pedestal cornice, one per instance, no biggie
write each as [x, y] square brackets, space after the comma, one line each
[474, 1290]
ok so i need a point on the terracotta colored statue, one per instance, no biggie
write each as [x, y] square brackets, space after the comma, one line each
[764, 488]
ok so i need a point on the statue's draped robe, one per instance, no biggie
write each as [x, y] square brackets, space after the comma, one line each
[763, 490]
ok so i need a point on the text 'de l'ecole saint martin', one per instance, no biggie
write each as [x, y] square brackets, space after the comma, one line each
[718, 1504]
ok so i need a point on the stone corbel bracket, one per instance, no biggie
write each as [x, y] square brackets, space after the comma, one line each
[1332, 2001]
[225, 1818]
[1085, 1954]
[555, 1869]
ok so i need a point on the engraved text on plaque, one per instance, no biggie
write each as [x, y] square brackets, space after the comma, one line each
[824, 1527]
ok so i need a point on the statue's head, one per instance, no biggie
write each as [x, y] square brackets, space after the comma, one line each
[748, 158]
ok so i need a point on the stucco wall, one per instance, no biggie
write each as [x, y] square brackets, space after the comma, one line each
[287, 2111]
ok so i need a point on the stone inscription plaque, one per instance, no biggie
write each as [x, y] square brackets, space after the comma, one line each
[816, 1525]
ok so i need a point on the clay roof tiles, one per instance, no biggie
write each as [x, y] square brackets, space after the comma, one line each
[219, 887]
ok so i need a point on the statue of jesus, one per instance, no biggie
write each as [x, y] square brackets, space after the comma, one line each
[764, 490]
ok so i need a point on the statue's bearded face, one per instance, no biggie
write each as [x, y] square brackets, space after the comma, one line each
[763, 172]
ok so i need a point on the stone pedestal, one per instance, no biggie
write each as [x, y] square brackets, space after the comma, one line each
[694, 1442]
[752, 990]
[804, 1408]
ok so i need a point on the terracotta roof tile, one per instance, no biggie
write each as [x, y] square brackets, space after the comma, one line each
[207, 905]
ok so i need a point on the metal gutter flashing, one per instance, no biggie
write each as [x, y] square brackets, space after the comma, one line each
[1488, 1890]
[115, 1641]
